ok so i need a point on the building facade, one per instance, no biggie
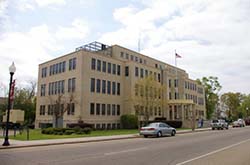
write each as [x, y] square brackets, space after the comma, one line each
[96, 82]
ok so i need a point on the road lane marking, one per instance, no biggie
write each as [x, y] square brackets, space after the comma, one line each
[124, 151]
[213, 152]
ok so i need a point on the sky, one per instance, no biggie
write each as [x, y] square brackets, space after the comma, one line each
[213, 37]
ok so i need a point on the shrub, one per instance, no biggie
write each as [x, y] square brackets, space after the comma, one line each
[87, 130]
[69, 132]
[129, 121]
[81, 125]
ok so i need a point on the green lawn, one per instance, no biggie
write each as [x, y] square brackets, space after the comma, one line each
[37, 135]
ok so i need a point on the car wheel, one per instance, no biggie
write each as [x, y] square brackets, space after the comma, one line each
[173, 133]
[145, 136]
[212, 128]
[159, 134]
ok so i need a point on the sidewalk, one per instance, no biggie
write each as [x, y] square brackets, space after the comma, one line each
[35, 143]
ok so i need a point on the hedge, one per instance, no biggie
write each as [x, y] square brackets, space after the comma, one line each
[66, 131]
[129, 121]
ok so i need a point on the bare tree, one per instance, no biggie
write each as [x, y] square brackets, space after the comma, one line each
[148, 98]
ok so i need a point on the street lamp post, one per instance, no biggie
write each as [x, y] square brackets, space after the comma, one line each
[12, 70]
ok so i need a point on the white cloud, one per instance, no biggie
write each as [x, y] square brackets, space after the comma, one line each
[44, 3]
[79, 29]
[213, 37]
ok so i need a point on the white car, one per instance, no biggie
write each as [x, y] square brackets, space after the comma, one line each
[239, 123]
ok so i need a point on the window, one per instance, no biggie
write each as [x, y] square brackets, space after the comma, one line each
[60, 67]
[118, 110]
[109, 87]
[44, 72]
[99, 65]
[51, 70]
[127, 56]
[108, 109]
[113, 109]
[131, 57]
[103, 109]
[98, 85]
[43, 89]
[71, 109]
[97, 109]
[92, 108]
[73, 63]
[104, 66]
[169, 83]
[175, 83]
[118, 88]
[126, 71]
[70, 64]
[159, 77]
[93, 61]
[136, 71]
[113, 88]
[92, 85]
[140, 60]
[122, 55]
[50, 109]
[118, 70]
[56, 68]
[63, 66]
[71, 84]
[103, 86]
[109, 67]
[146, 73]
[136, 59]
[114, 69]
[170, 96]
[42, 110]
[141, 73]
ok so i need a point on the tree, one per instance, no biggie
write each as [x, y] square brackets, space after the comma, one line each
[232, 101]
[245, 105]
[212, 87]
[59, 105]
[148, 97]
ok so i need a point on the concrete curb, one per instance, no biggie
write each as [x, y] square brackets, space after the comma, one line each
[91, 140]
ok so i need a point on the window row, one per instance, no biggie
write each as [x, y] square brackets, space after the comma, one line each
[175, 83]
[104, 86]
[105, 109]
[174, 96]
[56, 87]
[190, 86]
[200, 101]
[145, 72]
[149, 111]
[149, 92]
[104, 66]
[107, 126]
[200, 90]
[132, 58]
[57, 109]
[57, 68]
[191, 97]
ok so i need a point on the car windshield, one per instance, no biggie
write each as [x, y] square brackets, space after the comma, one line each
[215, 121]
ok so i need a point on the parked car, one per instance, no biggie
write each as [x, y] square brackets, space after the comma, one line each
[219, 124]
[247, 121]
[239, 123]
[157, 129]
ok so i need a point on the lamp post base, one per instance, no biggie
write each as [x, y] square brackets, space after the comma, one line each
[6, 142]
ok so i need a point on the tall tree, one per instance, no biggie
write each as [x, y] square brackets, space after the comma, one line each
[212, 87]
[233, 102]
[245, 106]
[148, 98]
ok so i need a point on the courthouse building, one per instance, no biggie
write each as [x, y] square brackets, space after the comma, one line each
[98, 82]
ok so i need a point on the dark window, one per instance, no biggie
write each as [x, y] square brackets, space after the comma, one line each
[169, 83]
[118, 70]
[136, 71]
[114, 69]
[63, 66]
[118, 110]
[93, 61]
[70, 110]
[108, 109]
[118, 88]
[103, 109]
[74, 64]
[175, 83]
[50, 70]
[113, 109]
[127, 56]
[126, 71]
[146, 73]
[159, 77]
[56, 68]
[136, 59]
[131, 57]
[98, 85]
[97, 109]
[42, 109]
[92, 108]
[109, 67]
[141, 73]
[73, 85]
[104, 66]
[69, 84]
[109, 87]
[60, 67]
[92, 85]
[103, 86]
[140, 60]
[70, 64]
[122, 55]
[99, 65]
[113, 88]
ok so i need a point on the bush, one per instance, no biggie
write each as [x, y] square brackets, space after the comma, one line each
[69, 132]
[80, 125]
[129, 121]
[87, 130]
[175, 124]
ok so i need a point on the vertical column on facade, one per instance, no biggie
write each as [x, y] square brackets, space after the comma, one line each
[182, 112]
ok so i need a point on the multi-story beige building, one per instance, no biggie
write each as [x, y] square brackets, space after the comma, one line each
[97, 82]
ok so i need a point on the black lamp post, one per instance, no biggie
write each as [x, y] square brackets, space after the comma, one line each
[12, 70]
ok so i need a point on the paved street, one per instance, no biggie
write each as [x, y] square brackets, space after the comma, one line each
[210, 147]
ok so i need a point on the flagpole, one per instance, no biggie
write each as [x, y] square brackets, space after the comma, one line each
[176, 76]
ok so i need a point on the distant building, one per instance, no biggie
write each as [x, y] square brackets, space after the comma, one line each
[102, 79]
